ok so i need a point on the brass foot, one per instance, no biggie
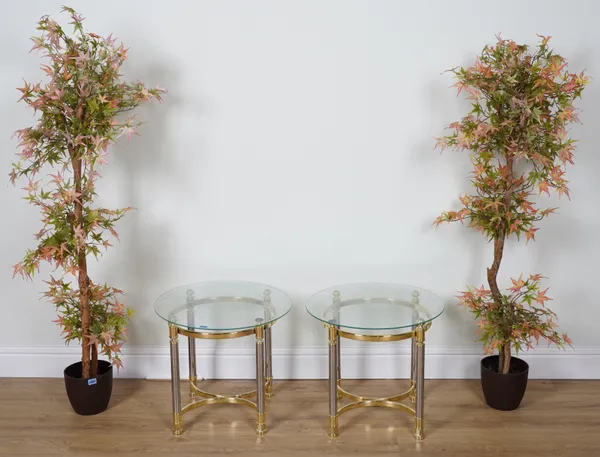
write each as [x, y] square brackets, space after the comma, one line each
[177, 424]
[333, 427]
[261, 424]
[419, 432]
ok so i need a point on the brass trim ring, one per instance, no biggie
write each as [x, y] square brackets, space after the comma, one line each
[380, 338]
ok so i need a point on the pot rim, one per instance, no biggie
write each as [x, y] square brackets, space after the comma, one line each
[520, 373]
[99, 376]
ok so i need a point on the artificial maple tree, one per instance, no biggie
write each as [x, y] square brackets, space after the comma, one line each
[516, 132]
[79, 112]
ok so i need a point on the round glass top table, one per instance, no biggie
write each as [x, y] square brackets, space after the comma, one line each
[376, 312]
[222, 306]
[222, 310]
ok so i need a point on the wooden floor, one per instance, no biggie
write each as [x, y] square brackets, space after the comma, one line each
[557, 418]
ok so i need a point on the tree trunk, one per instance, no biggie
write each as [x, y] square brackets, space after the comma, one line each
[87, 352]
[504, 358]
[492, 275]
[492, 271]
[84, 280]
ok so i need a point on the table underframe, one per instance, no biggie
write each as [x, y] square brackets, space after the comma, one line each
[198, 397]
[415, 393]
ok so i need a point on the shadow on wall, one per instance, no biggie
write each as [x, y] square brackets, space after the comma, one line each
[442, 102]
[445, 107]
[472, 244]
[146, 167]
[567, 244]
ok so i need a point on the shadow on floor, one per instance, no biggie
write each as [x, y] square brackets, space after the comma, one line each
[123, 389]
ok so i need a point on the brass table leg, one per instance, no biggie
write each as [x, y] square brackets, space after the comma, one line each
[339, 364]
[413, 369]
[261, 420]
[268, 363]
[176, 394]
[333, 381]
[420, 384]
[413, 348]
[192, 363]
[336, 319]
[193, 377]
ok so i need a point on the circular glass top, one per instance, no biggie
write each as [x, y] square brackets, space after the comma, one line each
[375, 306]
[222, 305]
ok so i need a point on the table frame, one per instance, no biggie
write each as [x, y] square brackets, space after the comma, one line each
[198, 397]
[416, 391]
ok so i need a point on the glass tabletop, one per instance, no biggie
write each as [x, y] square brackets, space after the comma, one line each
[222, 305]
[375, 306]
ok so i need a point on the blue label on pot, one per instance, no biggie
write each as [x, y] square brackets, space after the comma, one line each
[203, 326]
[93, 381]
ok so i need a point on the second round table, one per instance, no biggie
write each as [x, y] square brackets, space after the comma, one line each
[376, 312]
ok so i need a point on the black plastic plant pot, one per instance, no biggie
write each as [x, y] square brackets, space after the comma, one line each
[89, 396]
[504, 391]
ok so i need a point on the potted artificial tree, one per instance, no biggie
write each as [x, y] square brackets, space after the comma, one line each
[78, 119]
[516, 132]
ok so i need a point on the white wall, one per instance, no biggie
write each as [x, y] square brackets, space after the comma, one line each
[295, 148]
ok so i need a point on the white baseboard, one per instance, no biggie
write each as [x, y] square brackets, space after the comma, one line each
[152, 362]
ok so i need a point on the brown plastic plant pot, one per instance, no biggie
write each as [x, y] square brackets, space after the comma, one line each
[89, 396]
[504, 391]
